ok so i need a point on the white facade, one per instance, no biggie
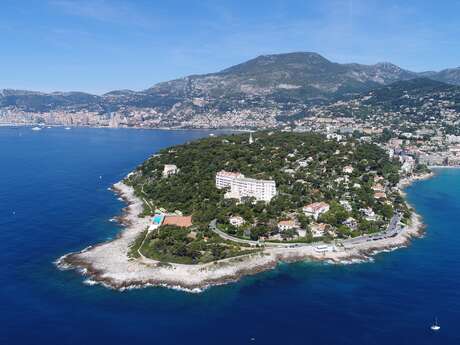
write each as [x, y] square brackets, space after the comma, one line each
[169, 169]
[240, 186]
[225, 178]
[316, 209]
[287, 225]
[236, 221]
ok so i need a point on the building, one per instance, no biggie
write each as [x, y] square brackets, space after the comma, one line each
[287, 225]
[241, 186]
[169, 169]
[346, 205]
[369, 214]
[236, 221]
[378, 188]
[251, 140]
[225, 178]
[380, 195]
[316, 209]
[318, 230]
[351, 223]
[348, 169]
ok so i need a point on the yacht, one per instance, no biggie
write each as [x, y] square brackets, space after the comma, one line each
[435, 326]
[36, 129]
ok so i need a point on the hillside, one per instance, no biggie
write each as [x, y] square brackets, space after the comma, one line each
[420, 101]
[307, 168]
[256, 93]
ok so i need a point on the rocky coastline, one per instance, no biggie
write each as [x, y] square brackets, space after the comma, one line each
[108, 263]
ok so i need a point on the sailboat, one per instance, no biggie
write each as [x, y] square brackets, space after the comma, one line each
[435, 326]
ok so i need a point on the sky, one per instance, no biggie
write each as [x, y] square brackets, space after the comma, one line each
[101, 45]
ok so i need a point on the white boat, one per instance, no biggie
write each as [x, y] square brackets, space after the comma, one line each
[67, 128]
[435, 326]
[36, 129]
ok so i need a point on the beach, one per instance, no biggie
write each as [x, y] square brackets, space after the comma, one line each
[108, 263]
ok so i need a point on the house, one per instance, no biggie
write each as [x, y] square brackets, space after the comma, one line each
[346, 205]
[351, 223]
[180, 221]
[348, 169]
[379, 195]
[368, 214]
[316, 209]
[287, 225]
[169, 169]
[378, 188]
[318, 230]
[236, 221]
[302, 163]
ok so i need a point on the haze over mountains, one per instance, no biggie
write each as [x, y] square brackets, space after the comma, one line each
[282, 83]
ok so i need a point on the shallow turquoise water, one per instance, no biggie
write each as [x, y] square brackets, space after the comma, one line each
[52, 201]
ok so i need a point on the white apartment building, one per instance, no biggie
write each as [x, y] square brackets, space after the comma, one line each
[241, 186]
[225, 178]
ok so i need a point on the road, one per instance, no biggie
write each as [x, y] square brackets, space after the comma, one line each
[392, 230]
[225, 236]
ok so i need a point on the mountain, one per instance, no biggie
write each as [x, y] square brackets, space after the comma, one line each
[254, 93]
[306, 77]
[39, 101]
[419, 100]
[449, 76]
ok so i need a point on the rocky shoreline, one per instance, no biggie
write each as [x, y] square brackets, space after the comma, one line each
[108, 263]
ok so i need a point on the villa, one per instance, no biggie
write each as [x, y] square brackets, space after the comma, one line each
[287, 225]
[369, 214]
[169, 169]
[236, 221]
[380, 195]
[316, 209]
[348, 169]
[318, 230]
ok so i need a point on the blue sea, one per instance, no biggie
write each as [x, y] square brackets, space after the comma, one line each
[54, 199]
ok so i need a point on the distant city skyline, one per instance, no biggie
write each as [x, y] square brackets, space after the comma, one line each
[100, 45]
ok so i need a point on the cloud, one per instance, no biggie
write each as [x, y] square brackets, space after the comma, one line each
[104, 11]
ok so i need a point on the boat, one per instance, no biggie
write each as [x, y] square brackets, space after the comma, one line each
[36, 129]
[67, 128]
[435, 326]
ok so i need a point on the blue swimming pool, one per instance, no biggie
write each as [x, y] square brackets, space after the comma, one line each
[157, 219]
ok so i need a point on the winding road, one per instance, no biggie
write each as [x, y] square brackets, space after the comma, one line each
[392, 230]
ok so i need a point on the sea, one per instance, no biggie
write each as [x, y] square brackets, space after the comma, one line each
[54, 199]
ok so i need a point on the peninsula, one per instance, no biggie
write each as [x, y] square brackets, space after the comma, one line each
[213, 210]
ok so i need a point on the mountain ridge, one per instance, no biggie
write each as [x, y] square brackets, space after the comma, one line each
[265, 87]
